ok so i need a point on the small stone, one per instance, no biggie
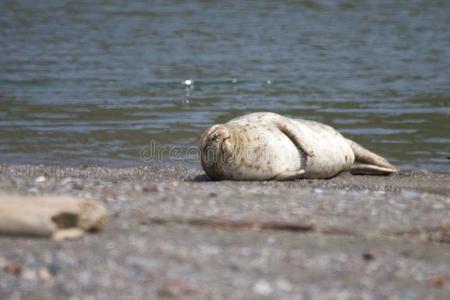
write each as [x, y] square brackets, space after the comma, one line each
[262, 287]
[438, 206]
[44, 274]
[111, 245]
[54, 268]
[368, 256]
[165, 293]
[77, 186]
[40, 179]
[12, 267]
[29, 274]
[175, 290]
[283, 285]
[406, 253]
[66, 181]
[271, 240]
[151, 188]
[439, 280]
[33, 191]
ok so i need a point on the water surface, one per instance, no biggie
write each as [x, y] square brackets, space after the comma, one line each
[96, 83]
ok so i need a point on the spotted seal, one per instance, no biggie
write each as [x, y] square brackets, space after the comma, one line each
[268, 146]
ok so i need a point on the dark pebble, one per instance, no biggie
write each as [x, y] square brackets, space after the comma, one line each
[13, 267]
[368, 256]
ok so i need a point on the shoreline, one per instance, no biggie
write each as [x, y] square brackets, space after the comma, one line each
[418, 180]
[172, 233]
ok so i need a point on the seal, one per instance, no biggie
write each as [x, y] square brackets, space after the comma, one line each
[268, 146]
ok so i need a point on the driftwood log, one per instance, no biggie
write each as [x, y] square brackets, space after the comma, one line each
[59, 217]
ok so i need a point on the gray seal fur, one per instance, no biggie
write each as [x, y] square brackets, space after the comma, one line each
[268, 146]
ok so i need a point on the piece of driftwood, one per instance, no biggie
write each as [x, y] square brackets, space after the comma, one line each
[59, 217]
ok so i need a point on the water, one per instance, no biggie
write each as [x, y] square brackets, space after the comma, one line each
[96, 83]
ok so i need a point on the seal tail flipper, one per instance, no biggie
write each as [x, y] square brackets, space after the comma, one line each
[367, 162]
[367, 169]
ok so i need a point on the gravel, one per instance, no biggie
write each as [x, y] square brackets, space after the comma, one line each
[173, 234]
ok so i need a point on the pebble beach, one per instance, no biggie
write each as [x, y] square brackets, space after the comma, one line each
[173, 234]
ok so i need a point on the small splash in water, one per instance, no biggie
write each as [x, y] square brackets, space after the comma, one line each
[188, 83]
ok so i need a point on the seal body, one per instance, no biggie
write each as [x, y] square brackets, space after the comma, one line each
[265, 146]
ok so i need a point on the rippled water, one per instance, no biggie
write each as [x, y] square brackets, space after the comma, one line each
[85, 83]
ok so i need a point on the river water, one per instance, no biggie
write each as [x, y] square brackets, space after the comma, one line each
[101, 82]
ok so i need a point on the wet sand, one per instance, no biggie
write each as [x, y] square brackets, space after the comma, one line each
[173, 234]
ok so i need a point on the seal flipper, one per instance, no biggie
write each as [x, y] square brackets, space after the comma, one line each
[290, 175]
[367, 162]
[293, 133]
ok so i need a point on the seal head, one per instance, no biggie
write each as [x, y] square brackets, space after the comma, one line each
[241, 151]
[217, 145]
